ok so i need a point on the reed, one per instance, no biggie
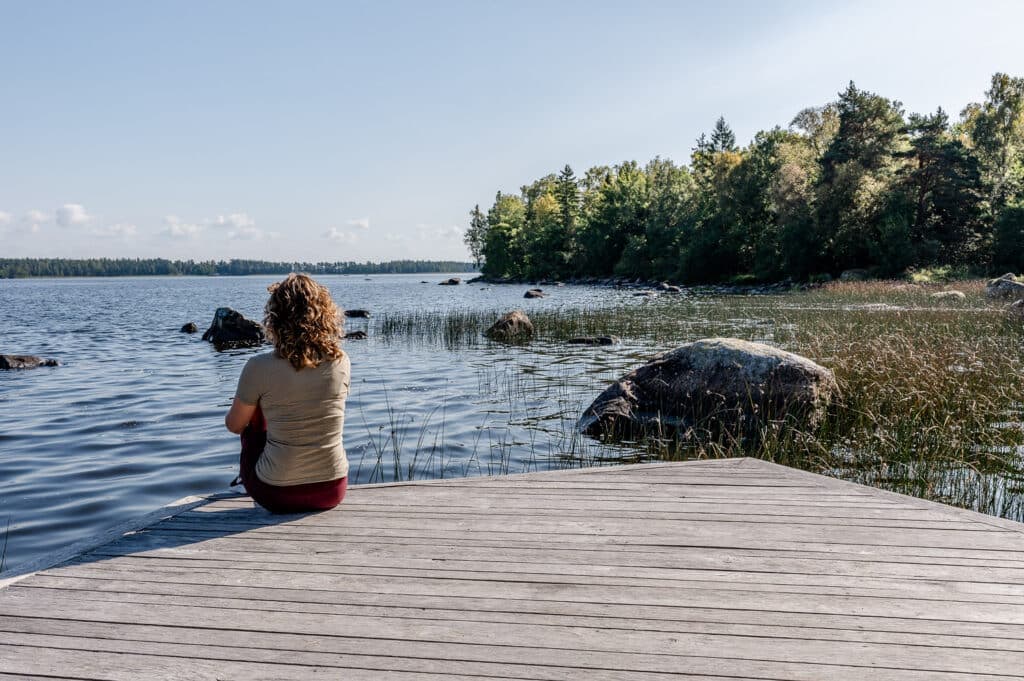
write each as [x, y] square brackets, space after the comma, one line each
[930, 403]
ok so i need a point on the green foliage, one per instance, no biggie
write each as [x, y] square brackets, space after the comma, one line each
[853, 184]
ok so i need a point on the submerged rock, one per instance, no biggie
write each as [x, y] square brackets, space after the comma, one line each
[665, 287]
[364, 314]
[12, 362]
[593, 340]
[513, 327]
[190, 328]
[713, 387]
[454, 281]
[1006, 286]
[230, 329]
[534, 293]
[356, 335]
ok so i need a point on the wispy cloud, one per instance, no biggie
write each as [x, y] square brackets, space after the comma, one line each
[72, 215]
[5, 218]
[236, 221]
[176, 229]
[360, 223]
[342, 237]
[432, 233]
[118, 231]
[33, 220]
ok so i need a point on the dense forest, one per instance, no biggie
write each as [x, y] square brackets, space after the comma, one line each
[126, 267]
[853, 184]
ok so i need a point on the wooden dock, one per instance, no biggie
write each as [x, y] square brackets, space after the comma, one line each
[715, 569]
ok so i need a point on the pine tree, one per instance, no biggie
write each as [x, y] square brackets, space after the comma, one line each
[722, 138]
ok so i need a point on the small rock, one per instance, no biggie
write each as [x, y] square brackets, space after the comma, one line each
[593, 340]
[534, 293]
[357, 313]
[854, 275]
[1006, 286]
[230, 329]
[644, 294]
[11, 362]
[948, 295]
[665, 287]
[513, 327]
[356, 335]
[190, 328]
[454, 281]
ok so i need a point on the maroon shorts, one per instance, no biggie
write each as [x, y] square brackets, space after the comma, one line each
[313, 496]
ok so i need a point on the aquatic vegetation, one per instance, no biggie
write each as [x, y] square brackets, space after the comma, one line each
[930, 390]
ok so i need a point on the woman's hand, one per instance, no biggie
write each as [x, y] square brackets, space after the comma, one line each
[239, 415]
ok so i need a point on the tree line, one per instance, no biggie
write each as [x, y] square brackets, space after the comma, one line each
[854, 184]
[120, 267]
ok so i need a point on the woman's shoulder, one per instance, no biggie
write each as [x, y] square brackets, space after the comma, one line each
[265, 360]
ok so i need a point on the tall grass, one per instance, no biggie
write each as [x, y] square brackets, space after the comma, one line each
[930, 390]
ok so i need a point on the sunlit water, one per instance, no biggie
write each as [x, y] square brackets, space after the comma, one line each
[133, 417]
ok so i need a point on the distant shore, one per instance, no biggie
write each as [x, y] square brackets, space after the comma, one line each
[21, 268]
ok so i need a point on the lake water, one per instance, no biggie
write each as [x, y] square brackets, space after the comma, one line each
[133, 417]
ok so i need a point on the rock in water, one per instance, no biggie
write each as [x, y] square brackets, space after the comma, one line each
[454, 281]
[358, 313]
[593, 340]
[229, 329]
[356, 335]
[534, 293]
[712, 387]
[190, 328]
[11, 362]
[1006, 286]
[513, 327]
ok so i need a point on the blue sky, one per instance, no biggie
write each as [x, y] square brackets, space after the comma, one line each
[367, 130]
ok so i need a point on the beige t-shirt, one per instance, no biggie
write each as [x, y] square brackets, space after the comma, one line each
[305, 412]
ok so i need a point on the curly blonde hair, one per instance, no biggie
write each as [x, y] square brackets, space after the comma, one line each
[303, 322]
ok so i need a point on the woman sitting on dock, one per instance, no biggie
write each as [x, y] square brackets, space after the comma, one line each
[289, 407]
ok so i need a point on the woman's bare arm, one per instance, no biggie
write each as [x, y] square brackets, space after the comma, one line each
[239, 415]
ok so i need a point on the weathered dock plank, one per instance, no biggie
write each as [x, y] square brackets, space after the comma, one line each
[732, 569]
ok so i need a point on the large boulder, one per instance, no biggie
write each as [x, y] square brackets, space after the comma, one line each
[230, 329]
[189, 327]
[948, 296]
[713, 387]
[363, 314]
[11, 362]
[1006, 286]
[454, 281]
[534, 293]
[513, 327]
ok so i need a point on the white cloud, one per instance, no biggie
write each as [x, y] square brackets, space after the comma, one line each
[118, 231]
[33, 219]
[361, 223]
[431, 233]
[72, 214]
[236, 221]
[394, 237]
[335, 234]
[246, 233]
[5, 218]
[176, 229]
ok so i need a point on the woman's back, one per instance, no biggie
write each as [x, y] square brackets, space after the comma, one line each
[305, 414]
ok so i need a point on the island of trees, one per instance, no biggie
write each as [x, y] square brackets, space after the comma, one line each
[121, 267]
[854, 184]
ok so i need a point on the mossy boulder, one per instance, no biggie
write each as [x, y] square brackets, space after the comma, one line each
[714, 387]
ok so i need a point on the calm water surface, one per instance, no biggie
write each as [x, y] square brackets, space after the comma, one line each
[133, 419]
